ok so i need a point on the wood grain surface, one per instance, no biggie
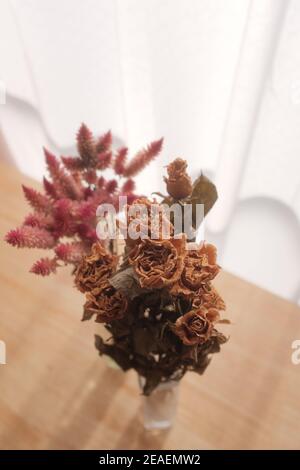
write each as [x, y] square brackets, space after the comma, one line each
[56, 393]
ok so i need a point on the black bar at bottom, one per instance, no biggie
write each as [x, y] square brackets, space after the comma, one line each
[133, 459]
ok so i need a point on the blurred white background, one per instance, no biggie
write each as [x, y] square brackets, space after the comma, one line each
[219, 79]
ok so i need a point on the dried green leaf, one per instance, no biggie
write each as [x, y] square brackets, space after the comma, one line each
[120, 355]
[204, 192]
[87, 314]
[119, 328]
[201, 366]
[225, 321]
[126, 281]
[144, 340]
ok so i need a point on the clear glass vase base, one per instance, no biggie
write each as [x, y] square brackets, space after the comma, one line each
[159, 408]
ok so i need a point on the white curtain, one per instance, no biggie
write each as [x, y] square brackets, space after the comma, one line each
[219, 79]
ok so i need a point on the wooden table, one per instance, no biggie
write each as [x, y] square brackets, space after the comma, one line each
[56, 393]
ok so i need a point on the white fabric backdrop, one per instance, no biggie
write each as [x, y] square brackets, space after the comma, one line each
[219, 79]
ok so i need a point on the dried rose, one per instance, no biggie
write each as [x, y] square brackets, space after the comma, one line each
[158, 263]
[209, 297]
[196, 326]
[145, 219]
[199, 268]
[106, 303]
[179, 184]
[94, 268]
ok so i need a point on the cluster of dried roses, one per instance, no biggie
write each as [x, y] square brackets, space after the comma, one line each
[159, 305]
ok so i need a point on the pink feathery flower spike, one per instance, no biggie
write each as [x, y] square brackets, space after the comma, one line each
[63, 213]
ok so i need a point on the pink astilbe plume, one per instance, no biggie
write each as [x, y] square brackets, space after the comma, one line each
[38, 220]
[128, 187]
[72, 163]
[86, 210]
[64, 183]
[86, 146]
[104, 160]
[120, 160]
[101, 182]
[143, 158]
[30, 237]
[70, 252]
[104, 143]
[50, 188]
[38, 201]
[44, 266]
[111, 186]
[63, 216]
[90, 176]
[87, 233]
[52, 164]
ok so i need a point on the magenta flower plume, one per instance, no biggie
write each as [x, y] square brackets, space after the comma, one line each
[64, 183]
[86, 146]
[104, 143]
[128, 187]
[63, 214]
[143, 158]
[44, 266]
[38, 219]
[50, 188]
[37, 200]
[72, 163]
[104, 160]
[70, 252]
[120, 160]
[111, 186]
[30, 237]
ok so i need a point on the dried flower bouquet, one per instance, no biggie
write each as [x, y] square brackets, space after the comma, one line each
[159, 306]
[157, 301]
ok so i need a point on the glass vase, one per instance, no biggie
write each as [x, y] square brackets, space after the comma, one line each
[159, 408]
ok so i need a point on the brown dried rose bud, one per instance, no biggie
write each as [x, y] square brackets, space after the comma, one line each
[199, 268]
[196, 326]
[94, 268]
[208, 297]
[179, 184]
[106, 303]
[158, 263]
